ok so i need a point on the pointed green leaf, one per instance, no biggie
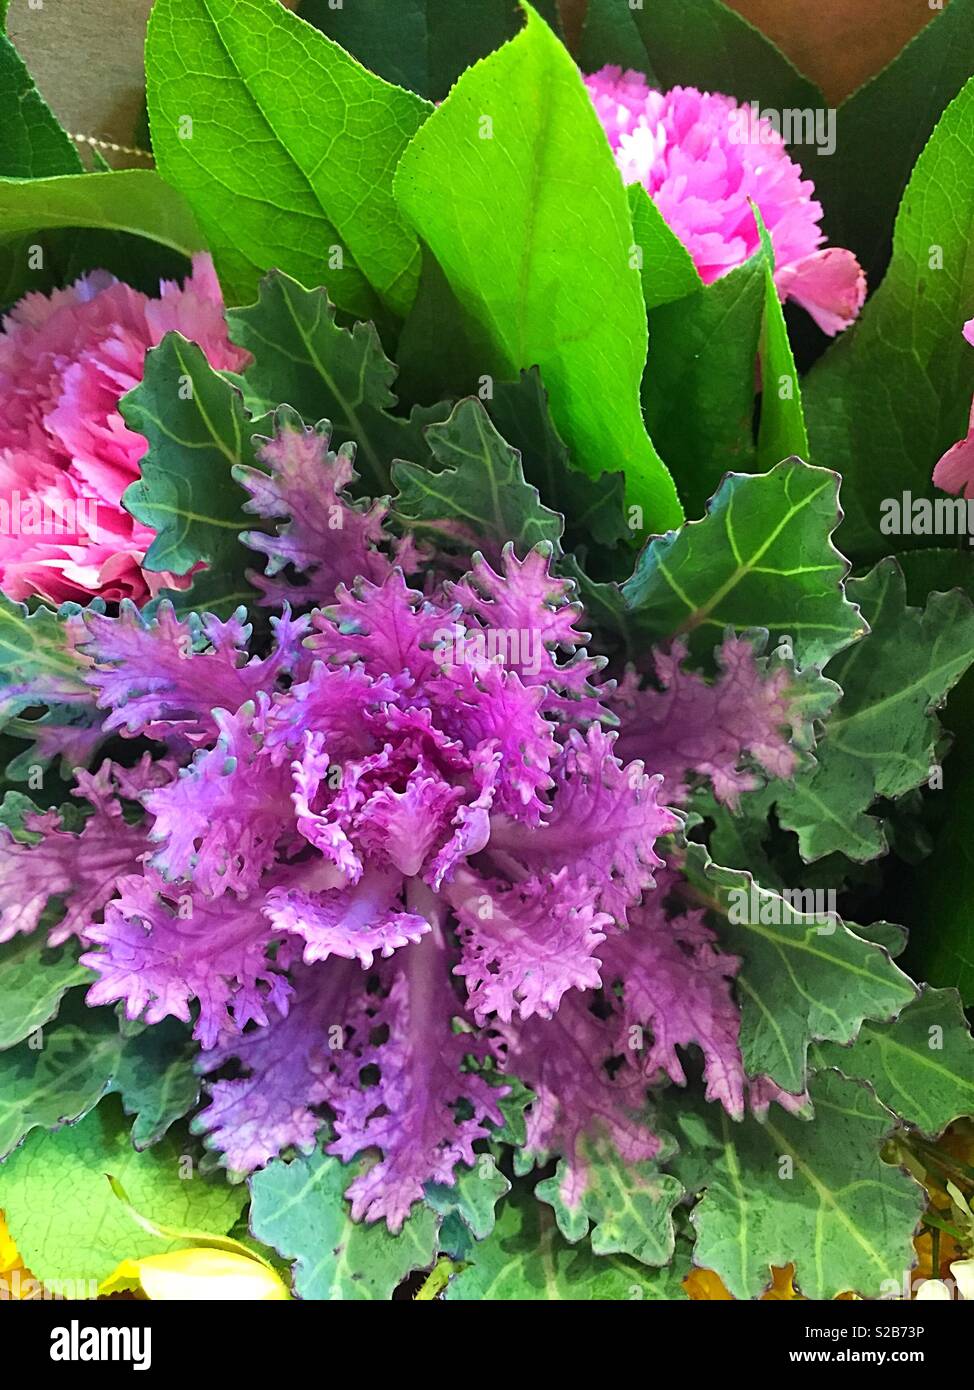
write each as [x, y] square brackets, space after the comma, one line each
[198, 431]
[594, 508]
[698, 391]
[65, 1219]
[894, 393]
[921, 1066]
[629, 1205]
[303, 140]
[666, 266]
[525, 1259]
[882, 738]
[895, 111]
[762, 557]
[32, 143]
[805, 975]
[421, 44]
[301, 356]
[517, 144]
[299, 1209]
[479, 498]
[810, 1192]
[782, 431]
[125, 200]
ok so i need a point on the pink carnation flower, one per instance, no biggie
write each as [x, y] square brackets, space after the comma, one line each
[66, 455]
[955, 471]
[702, 157]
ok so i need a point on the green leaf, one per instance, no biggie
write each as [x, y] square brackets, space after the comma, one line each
[762, 557]
[65, 1219]
[594, 508]
[37, 663]
[896, 112]
[698, 391]
[556, 290]
[805, 976]
[921, 1066]
[525, 1259]
[421, 44]
[782, 432]
[301, 356]
[813, 1193]
[33, 981]
[474, 1196]
[894, 393]
[299, 136]
[882, 738]
[125, 200]
[666, 266]
[479, 498]
[198, 431]
[156, 1079]
[298, 1208]
[699, 43]
[32, 143]
[629, 1205]
[59, 1075]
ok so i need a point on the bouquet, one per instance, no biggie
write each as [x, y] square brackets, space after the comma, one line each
[484, 556]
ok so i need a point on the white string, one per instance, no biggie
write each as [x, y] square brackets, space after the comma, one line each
[110, 145]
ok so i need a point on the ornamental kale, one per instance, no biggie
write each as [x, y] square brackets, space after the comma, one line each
[406, 851]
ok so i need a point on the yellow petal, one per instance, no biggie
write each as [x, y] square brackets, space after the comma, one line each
[9, 1259]
[201, 1274]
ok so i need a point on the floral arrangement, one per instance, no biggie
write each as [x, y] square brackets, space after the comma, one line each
[480, 587]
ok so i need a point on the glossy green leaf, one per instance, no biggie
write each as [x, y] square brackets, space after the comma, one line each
[805, 974]
[782, 432]
[302, 357]
[478, 498]
[762, 557]
[894, 393]
[882, 738]
[421, 44]
[665, 264]
[699, 387]
[517, 145]
[895, 113]
[248, 103]
[32, 143]
[125, 200]
[921, 1066]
